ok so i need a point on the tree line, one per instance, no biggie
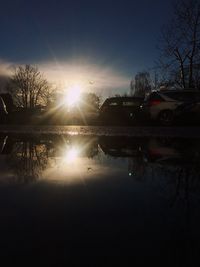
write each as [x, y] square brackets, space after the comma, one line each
[178, 64]
[30, 90]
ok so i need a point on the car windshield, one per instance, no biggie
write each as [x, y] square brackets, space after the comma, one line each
[131, 102]
[184, 96]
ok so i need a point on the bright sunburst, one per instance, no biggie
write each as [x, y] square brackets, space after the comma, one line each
[71, 155]
[73, 96]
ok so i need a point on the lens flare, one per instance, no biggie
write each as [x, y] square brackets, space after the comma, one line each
[71, 155]
[73, 96]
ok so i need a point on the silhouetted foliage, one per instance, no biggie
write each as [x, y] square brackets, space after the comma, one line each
[141, 84]
[90, 102]
[28, 87]
[180, 45]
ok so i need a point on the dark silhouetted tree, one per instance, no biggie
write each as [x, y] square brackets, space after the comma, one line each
[141, 84]
[90, 102]
[28, 87]
[180, 45]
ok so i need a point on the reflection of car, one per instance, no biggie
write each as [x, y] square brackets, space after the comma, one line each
[6, 145]
[3, 111]
[161, 151]
[120, 110]
[172, 151]
[163, 106]
[121, 147]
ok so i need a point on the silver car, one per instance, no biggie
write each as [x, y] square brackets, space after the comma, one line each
[166, 105]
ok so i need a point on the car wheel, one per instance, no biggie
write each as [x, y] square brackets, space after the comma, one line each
[166, 117]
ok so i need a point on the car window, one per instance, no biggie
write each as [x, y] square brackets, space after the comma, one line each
[177, 96]
[113, 103]
[129, 103]
[184, 96]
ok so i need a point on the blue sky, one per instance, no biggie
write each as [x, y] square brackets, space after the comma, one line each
[119, 36]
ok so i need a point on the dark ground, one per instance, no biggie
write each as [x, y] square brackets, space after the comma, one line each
[112, 219]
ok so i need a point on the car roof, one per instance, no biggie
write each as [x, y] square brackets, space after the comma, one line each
[124, 98]
[177, 91]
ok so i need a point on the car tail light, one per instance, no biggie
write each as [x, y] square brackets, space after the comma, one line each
[154, 102]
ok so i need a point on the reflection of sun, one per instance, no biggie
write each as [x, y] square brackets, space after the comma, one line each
[73, 95]
[71, 164]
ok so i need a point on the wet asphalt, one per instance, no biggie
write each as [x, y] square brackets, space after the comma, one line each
[190, 131]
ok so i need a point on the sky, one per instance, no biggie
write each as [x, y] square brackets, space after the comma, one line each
[99, 44]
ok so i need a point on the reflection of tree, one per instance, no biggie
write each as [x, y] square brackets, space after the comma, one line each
[174, 169]
[28, 160]
[30, 156]
[176, 180]
[180, 184]
[179, 180]
[137, 167]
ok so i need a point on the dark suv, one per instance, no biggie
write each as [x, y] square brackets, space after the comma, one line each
[121, 110]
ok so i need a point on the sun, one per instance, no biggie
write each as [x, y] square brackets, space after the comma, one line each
[73, 96]
[71, 155]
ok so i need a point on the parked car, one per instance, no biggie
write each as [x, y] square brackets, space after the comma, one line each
[189, 112]
[116, 146]
[120, 110]
[167, 105]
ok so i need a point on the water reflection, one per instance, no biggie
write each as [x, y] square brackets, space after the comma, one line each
[171, 166]
[57, 158]
[102, 188]
[65, 158]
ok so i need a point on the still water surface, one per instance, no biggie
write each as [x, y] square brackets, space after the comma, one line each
[100, 201]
